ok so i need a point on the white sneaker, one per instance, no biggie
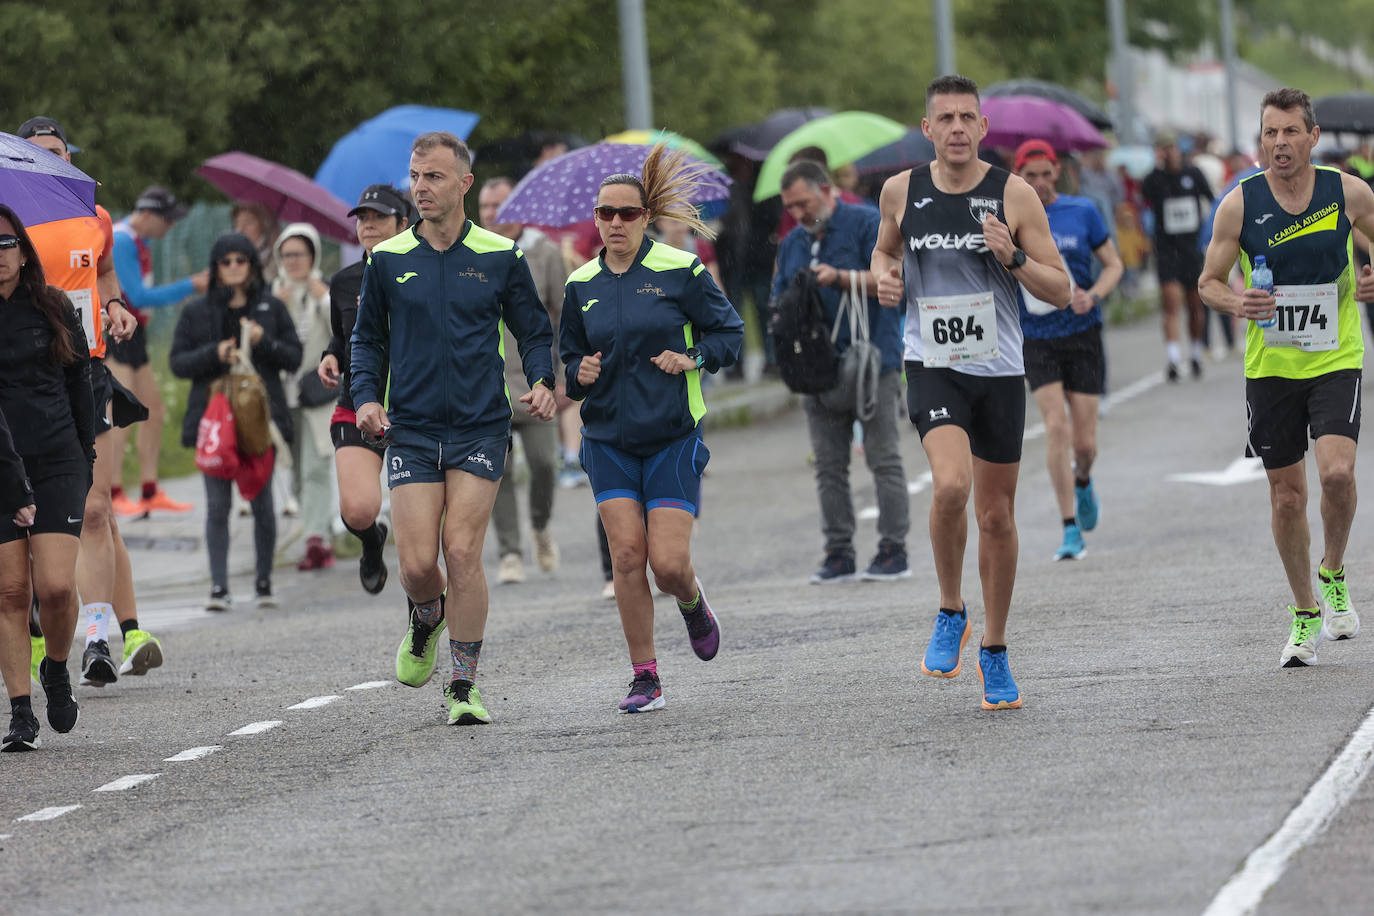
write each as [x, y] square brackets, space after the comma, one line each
[1301, 649]
[608, 590]
[545, 550]
[511, 570]
[1340, 620]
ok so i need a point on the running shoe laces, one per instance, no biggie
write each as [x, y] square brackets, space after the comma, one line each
[1335, 593]
[1306, 626]
[996, 671]
[699, 623]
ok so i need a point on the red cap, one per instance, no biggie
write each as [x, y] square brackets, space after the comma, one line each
[1031, 149]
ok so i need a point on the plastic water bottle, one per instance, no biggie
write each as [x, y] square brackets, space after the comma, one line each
[1261, 277]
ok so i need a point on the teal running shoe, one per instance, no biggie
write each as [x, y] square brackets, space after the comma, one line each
[1085, 506]
[999, 687]
[419, 649]
[946, 642]
[1073, 547]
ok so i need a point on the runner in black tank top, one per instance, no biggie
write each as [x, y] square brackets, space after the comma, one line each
[966, 233]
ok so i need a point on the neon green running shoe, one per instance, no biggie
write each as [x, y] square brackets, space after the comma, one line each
[37, 649]
[465, 704]
[1301, 650]
[417, 652]
[1341, 620]
[141, 653]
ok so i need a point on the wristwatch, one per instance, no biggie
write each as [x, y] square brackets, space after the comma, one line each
[1018, 259]
[694, 354]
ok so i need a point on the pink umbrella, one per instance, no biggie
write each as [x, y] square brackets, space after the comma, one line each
[1014, 119]
[286, 192]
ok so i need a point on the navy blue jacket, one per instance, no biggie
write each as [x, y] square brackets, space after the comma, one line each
[666, 300]
[436, 317]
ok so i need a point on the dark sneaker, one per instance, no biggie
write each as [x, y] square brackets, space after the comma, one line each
[263, 590]
[1197, 368]
[838, 567]
[646, 694]
[1171, 374]
[23, 733]
[97, 667]
[702, 628]
[465, 704]
[372, 566]
[889, 565]
[57, 687]
[219, 599]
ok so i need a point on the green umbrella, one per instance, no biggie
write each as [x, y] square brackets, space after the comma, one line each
[845, 137]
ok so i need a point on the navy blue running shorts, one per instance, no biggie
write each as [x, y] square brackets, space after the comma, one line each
[670, 478]
[428, 463]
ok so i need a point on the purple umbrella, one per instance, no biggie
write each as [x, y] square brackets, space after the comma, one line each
[286, 192]
[1014, 119]
[40, 187]
[562, 191]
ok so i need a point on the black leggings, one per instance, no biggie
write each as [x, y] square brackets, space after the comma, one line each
[218, 500]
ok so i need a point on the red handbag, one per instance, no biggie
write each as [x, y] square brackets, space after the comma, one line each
[217, 453]
[255, 471]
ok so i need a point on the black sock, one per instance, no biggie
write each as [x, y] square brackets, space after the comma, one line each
[34, 630]
[48, 665]
[126, 625]
[371, 536]
[1082, 482]
[949, 611]
[1070, 521]
[21, 703]
[995, 648]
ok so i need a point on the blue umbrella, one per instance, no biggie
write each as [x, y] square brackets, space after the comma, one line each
[40, 187]
[377, 151]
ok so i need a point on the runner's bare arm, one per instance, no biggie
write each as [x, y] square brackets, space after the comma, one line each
[1359, 207]
[122, 323]
[886, 263]
[1214, 284]
[1043, 273]
[1112, 268]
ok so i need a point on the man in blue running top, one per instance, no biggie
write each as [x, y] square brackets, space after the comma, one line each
[1063, 348]
[435, 300]
[956, 237]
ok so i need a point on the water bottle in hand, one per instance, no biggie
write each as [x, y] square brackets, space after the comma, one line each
[1261, 277]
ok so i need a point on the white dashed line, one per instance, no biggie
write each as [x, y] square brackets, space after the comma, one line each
[316, 702]
[5, 836]
[1263, 867]
[128, 782]
[369, 685]
[47, 814]
[256, 728]
[194, 753]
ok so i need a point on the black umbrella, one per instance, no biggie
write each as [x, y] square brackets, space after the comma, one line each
[911, 150]
[755, 140]
[1055, 93]
[1348, 113]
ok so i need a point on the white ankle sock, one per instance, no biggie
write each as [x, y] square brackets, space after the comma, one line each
[98, 622]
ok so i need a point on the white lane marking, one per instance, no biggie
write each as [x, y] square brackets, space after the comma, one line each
[912, 488]
[5, 836]
[128, 782]
[47, 814]
[1264, 866]
[256, 728]
[194, 753]
[1242, 470]
[369, 685]
[316, 702]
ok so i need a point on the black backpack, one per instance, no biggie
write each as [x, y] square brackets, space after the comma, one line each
[801, 337]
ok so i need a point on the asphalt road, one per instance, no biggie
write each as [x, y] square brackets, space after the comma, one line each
[810, 768]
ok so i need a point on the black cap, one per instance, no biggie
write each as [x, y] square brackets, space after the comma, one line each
[42, 127]
[162, 202]
[384, 199]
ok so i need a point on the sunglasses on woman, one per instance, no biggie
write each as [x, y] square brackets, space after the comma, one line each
[626, 214]
[232, 260]
[8, 241]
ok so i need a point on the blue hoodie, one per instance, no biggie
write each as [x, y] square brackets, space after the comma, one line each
[436, 318]
[666, 300]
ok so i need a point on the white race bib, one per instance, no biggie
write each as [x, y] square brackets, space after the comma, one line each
[1306, 318]
[958, 329]
[1181, 215]
[81, 301]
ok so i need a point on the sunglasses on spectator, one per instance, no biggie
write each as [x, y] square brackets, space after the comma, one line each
[230, 260]
[626, 214]
[8, 241]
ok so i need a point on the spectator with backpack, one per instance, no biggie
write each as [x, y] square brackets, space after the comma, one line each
[829, 354]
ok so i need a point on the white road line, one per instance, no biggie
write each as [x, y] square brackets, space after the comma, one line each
[369, 685]
[1264, 866]
[5, 836]
[256, 728]
[316, 702]
[48, 814]
[128, 782]
[194, 753]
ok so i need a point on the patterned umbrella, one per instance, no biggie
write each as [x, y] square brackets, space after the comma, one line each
[40, 187]
[562, 191]
[290, 195]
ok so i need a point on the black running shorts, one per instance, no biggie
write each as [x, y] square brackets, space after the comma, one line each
[1075, 361]
[1178, 264]
[1283, 412]
[992, 410]
[132, 352]
[348, 435]
[103, 391]
[60, 483]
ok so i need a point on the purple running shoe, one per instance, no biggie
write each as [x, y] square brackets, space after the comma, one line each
[646, 694]
[702, 628]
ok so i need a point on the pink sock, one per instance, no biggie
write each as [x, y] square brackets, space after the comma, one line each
[650, 666]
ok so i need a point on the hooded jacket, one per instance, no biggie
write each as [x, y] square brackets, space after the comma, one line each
[208, 320]
[666, 300]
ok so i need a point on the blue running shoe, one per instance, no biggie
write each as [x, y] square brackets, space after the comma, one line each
[1073, 546]
[946, 642]
[1085, 506]
[999, 687]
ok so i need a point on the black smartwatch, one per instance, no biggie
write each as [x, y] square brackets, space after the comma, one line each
[1018, 259]
[548, 383]
[694, 354]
